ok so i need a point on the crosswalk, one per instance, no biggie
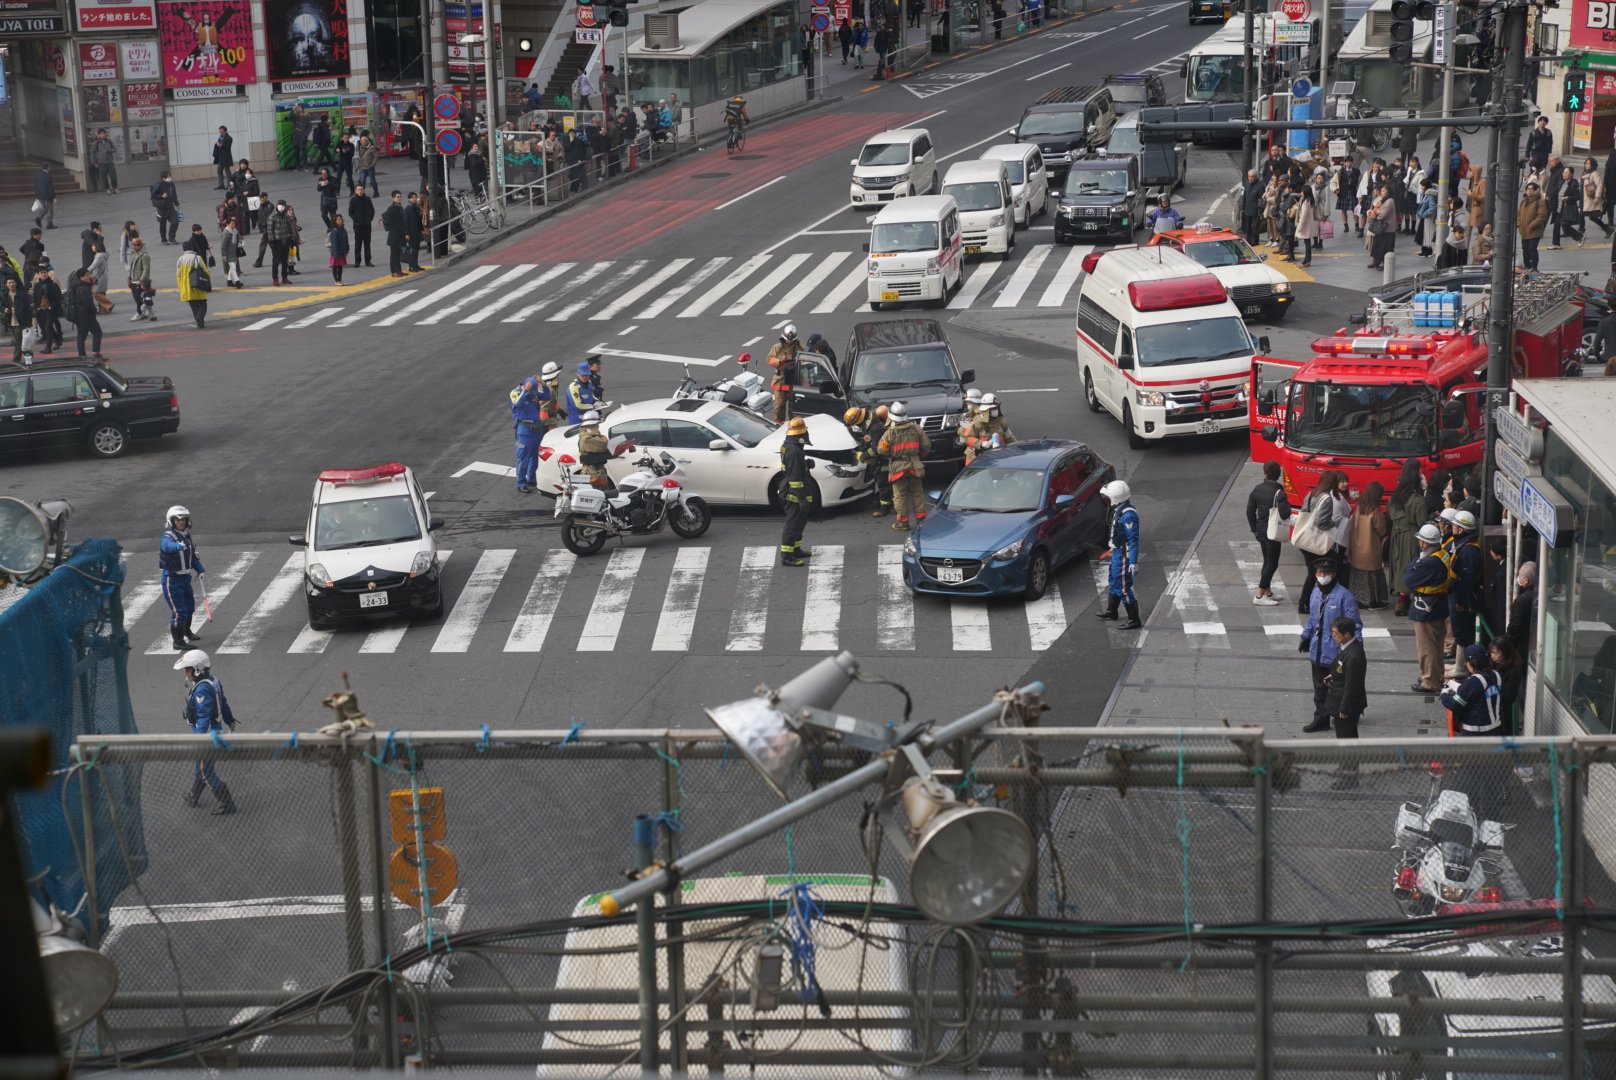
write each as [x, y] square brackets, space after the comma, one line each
[724, 286]
[710, 601]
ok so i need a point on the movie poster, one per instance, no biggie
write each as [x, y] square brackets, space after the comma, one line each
[207, 43]
[307, 39]
[102, 105]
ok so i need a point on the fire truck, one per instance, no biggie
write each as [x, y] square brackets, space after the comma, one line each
[1408, 383]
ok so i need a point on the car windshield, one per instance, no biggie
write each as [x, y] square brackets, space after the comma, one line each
[1193, 341]
[1017, 168]
[389, 519]
[117, 380]
[1124, 140]
[1228, 252]
[1396, 420]
[746, 428]
[904, 367]
[889, 238]
[1097, 182]
[1052, 123]
[1215, 78]
[995, 491]
[985, 195]
[888, 153]
[1131, 93]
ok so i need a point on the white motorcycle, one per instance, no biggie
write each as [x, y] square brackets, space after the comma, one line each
[640, 504]
[1446, 855]
[747, 389]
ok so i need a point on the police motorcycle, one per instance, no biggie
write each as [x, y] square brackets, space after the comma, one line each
[640, 504]
[1446, 854]
[748, 389]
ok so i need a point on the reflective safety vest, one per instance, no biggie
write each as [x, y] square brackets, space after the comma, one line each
[1445, 556]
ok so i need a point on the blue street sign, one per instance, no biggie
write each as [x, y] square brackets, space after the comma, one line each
[446, 107]
[449, 141]
[1301, 88]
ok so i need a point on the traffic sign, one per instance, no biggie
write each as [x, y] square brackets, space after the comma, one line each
[1523, 438]
[1508, 493]
[596, 36]
[820, 22]
[1546, 510]
[446, 107]
[1510, 463]
[1302, 89]
[449, 141]
[1442, 34]
[1296, 10]
[586, 15]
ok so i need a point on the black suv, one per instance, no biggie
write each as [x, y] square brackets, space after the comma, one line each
[905, 360]
[1137, 90]
[82, 402]
[1065, 123]
[1102, 200]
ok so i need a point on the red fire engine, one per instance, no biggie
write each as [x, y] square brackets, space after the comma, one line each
[1408, 384]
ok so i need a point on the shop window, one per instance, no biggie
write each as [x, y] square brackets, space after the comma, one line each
[1579, 595]
[395, 41]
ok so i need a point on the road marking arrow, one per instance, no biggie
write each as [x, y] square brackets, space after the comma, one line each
[485, 467]
[665, 358]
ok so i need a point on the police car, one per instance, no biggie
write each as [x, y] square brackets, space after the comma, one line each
[370, 550]
[1256, 288]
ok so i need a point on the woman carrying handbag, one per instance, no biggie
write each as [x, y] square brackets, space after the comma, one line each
[1314, 531]
[1268, 513]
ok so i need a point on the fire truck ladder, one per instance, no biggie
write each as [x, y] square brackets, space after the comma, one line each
[1537, 294]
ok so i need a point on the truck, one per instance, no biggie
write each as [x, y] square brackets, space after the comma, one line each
[1407, 383]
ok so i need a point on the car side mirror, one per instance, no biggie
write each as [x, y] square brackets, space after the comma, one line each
[298, 540]
[866, 248]
[1262, 343]
[1125, 361]
[934, 496]
[1357, 320]
[1132, 192]
[434, 524]
[1015, 133]
[1063, 501]
[854, 163]
[1270, 434]
[1262, 258]
[827, 386]
[968, 375]
[718, 444]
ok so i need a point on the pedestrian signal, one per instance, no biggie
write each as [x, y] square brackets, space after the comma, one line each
[1576, 91]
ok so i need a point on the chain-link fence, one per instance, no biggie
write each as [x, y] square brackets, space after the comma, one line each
[1204, 902]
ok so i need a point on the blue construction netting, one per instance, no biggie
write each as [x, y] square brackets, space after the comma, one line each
[65, 669]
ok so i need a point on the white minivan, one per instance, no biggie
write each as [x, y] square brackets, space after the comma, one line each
[1029, 180]
[916, 252]
[981, 191]
[1160, 346]
[894, 165]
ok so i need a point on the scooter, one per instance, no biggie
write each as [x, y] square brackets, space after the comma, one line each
[639, 505]
[747, 389]
[1445, 854]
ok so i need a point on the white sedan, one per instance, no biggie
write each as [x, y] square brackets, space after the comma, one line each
[730, 456]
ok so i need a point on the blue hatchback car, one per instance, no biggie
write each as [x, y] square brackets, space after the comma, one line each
[1009, 520]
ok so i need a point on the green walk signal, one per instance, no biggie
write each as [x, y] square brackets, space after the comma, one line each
[1576, 91]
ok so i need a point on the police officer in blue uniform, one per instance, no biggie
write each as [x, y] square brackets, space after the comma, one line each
[1474, 700]
[581, 394]
[525, 420]
[177, 558]
[206, 710]
[1124, 554]
[1331, 600]
[1464, 596]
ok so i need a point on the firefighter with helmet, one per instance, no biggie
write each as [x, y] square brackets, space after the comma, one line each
[904, 446]
[989, 430]
[593, 451]
[794, 492]
[868, 426]
[207, 712]
[178, 560]
[783, 359]
[1124, 554]
[552, 398]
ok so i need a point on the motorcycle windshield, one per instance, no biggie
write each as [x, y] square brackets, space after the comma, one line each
[1456, 861]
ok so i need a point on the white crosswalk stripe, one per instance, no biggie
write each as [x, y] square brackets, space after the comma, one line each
[820, 283]
[693, 597]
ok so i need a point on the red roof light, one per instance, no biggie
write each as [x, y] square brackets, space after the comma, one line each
[362, 476]
[1090, 260]
[1197, 291]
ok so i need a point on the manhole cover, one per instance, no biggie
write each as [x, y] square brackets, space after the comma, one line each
[710, 176]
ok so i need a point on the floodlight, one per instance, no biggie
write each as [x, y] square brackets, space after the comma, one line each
[27, 533]
[80, 981]
[966, 863]
[767, 729]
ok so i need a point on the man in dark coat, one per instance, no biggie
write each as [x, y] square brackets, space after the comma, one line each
[883, 46]
[397, 233]
[45, 196]
[1347, 695]
[361, 212]
[223, 156]
[1251, 215]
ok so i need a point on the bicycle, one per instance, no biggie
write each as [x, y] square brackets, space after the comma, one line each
[479, 215]
[737, 138]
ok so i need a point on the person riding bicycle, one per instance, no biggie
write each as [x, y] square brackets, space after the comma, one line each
[735, 112]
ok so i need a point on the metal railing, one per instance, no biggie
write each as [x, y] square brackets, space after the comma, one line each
[1204, 901]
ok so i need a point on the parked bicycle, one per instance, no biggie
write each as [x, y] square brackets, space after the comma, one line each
[478, 214]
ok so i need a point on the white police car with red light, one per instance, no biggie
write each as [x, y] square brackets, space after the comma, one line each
[1160, 346]
[369, 548]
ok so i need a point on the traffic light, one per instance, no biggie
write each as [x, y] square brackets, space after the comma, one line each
[1576, 91]
[1404, 13]
[617, 12]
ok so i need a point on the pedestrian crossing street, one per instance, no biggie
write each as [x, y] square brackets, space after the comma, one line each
[710, 601]
[726, 286]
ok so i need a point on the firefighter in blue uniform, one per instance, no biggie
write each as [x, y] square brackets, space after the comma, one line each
[207, 710]
[794, 463]
[177, 558]
[581, 394]
[525, 420]
[1124, 554]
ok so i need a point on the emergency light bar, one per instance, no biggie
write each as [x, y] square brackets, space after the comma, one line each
[1376, 346]
[1194, 291]
[362, 476]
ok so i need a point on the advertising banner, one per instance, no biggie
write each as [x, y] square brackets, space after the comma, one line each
[70, 127]
[143, 101]
[102, 105]
[140, 60]
[96, 15]
[148, 142]
[98, 61]
[1593, 26]
[307, 39]
[207, 43]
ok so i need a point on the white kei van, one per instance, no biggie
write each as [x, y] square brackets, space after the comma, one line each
[1029, 180]
[981, 191]
[1160, 346]
[916, 252]
[893, 165]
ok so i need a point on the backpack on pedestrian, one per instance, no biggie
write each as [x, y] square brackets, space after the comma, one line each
[70, 307]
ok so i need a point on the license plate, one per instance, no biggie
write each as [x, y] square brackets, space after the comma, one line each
[1088, 226]
[1208, 427]
[889, 294]
[1251, 309]
[951, 575]
[973, 249]
[372, 599]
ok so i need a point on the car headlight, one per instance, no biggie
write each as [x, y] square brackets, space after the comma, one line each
[933, 266]
[874, 267]
[909, 547]
[995, 221]
[1009, 551]
[951, 420]
[1151, 397]
[1282, 287]
[317, 576]
[1452, 893]
[421, 564]
[1065, 211]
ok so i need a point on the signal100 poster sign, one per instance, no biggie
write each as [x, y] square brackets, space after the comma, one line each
[208, 43]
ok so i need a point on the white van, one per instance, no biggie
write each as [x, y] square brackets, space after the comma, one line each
[1029, 180]
[981, 191]
[1160, 346]
[916, 252]
[894, 165]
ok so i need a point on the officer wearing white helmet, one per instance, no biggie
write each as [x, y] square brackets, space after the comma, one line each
[992, 430]
[1426, 580]
[178, 560]
[593, 450]
[905, 447]
[1124, 555]
[783, 359]
[973, 404]
[207, 712]
[1464, 592]
[552, 398]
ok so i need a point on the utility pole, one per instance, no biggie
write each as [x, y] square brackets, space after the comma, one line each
[1507, 99]
[1324, 66]
[1249, 142]
[429, 122]
[1446, 181]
